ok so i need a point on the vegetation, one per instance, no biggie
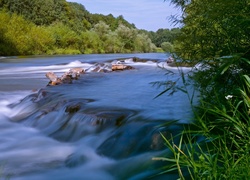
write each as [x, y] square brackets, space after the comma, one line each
[215, 35]
[60, 27]
[164, 38]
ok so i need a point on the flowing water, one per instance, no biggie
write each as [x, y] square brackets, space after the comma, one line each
[102, 126]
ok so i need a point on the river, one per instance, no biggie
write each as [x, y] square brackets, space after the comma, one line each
[102, 126]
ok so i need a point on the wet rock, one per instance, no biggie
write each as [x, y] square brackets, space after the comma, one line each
[139, 137]
[76, 72]
[119, 67]
[75, 160]
[66, 78]
[73, 108]
[51, 76]
[170, 60]
[157, 140]
[100, 68]
[54, 80]
[129, 140]
[136, 59]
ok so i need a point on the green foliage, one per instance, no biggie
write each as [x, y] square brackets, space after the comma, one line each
[57, 26]
[213, 29]
[218, 147]
[163, 35]
[215, 34]
[64, 37]
[41, 40]
[126, 36]
[39, 12]
[77, 17]
[14, 34]
[113, 44]
[63, 51]
[167, 47]
[6, 45]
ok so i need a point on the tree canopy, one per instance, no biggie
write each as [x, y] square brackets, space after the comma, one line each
[214, 28]
[60, 27]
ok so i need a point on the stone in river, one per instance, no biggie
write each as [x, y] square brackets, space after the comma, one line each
[118, 67]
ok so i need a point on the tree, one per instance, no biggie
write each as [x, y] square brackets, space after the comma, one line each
[91, 42]
[126, 36]
[64, 37]
[39, 12]
[113, 43]
[214, 28]
[102, 29]
[57, 26]
[167, 47]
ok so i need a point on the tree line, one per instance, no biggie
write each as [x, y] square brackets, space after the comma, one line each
[60, 27]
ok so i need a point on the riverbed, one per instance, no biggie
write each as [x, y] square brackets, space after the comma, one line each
[105, 125]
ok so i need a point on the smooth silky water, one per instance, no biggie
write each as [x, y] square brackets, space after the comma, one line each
[102, 126]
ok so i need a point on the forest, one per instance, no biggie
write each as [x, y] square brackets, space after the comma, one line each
[59, 27]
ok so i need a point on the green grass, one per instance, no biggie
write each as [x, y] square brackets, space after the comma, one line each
[219, 146]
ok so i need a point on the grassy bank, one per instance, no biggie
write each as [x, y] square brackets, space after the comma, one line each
[219, 146]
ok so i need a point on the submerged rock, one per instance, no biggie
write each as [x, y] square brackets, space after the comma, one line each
[135, 138]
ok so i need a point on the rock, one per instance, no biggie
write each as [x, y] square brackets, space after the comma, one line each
[96, 69]
[118, 67]
[73, 108]
[158, 142]
[54, 80]
[76, 72]
[51, 76]
[170, 60]
[67, 79]
[100, 68]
